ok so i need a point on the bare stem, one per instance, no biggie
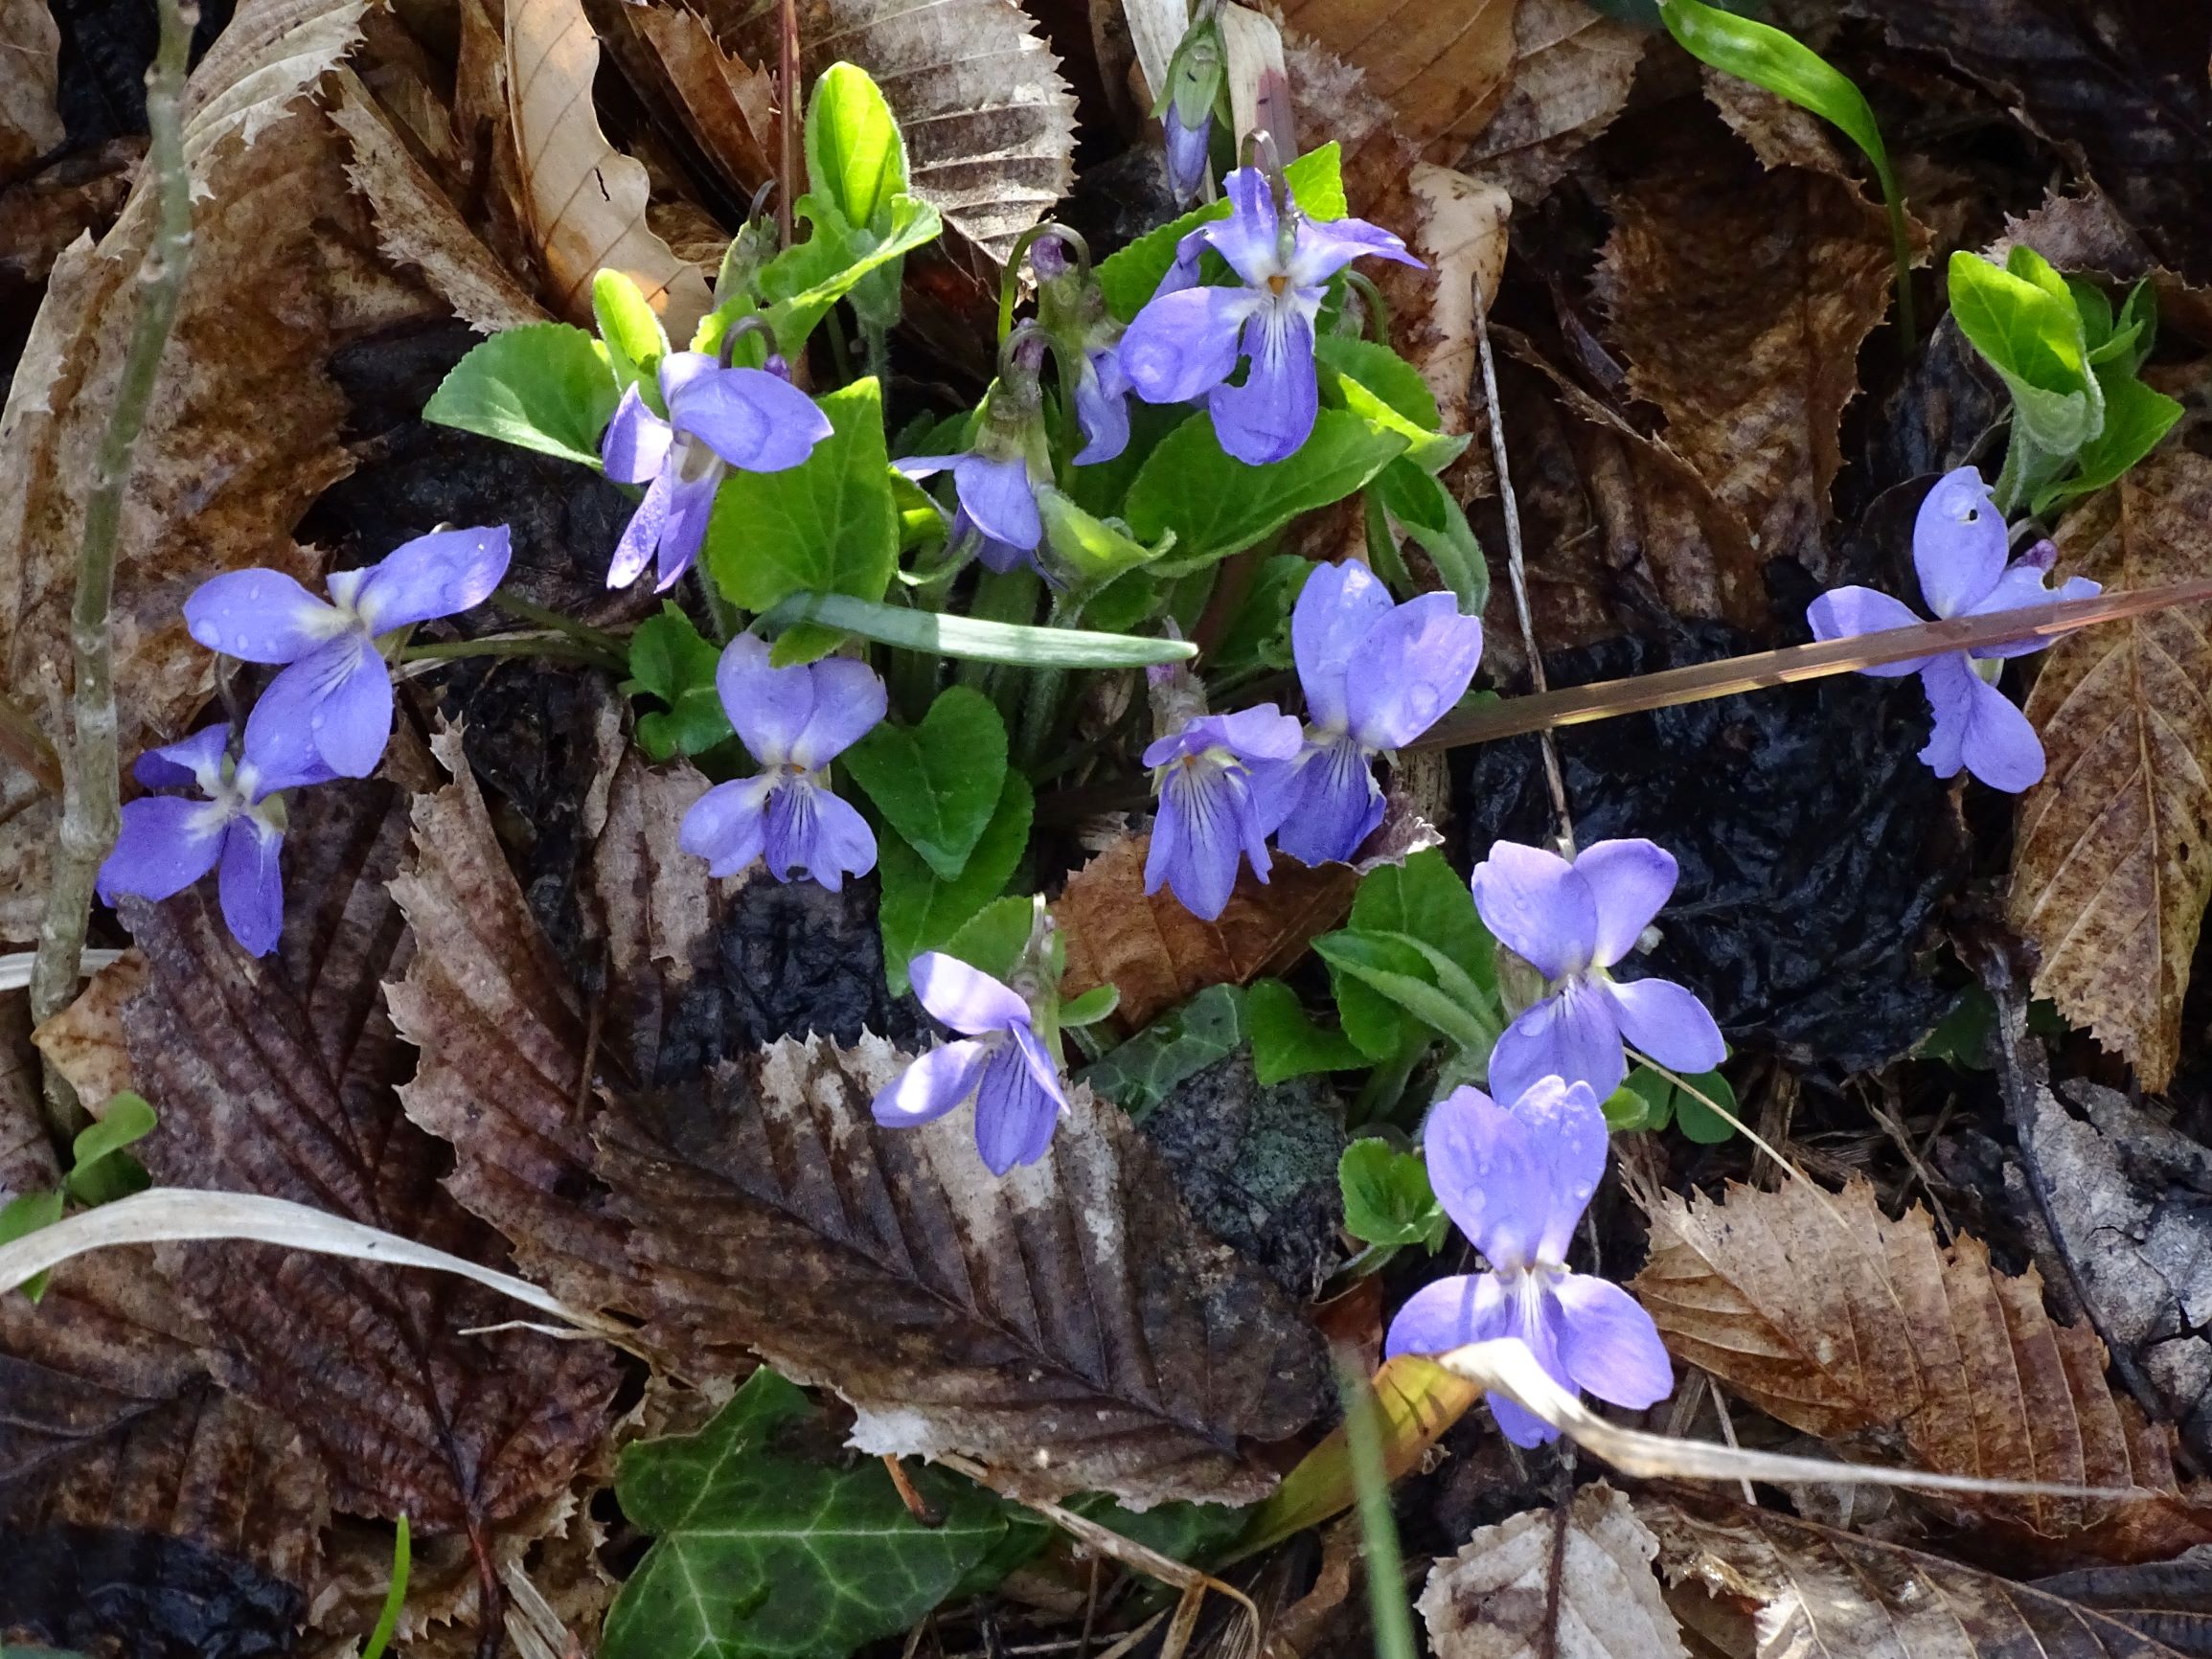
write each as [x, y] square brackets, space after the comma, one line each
[787, 128]
[91, 787]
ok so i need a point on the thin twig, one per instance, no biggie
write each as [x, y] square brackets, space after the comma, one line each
[788, 127]
[91, 806]
[919, 1507]
[1517, 570]
[1727, 1428]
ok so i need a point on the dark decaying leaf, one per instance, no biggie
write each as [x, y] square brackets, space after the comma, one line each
[1756, 1582]
[277, 1075]
[2169, 1602]
[118, 1595]
[113, 1421]
[2118, 86]
[1812, 842]
[1067, 1323]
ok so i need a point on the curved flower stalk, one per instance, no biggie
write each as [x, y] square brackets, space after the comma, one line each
[1220, 779]
[332, 703]
[1016, 1083]
[1072, 310]
[1573, 922]
[1376, 676]
[1188, 340]
[169, 841]
[1515, 1180]
[1958, 548]
[996, 481]
[794, 721]
[754, 419]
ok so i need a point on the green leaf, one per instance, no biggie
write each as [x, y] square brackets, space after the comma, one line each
[1383, 388]
[1420, 506]
[1387, 1198]
[545, 386]
[1406, 971]
[938, 782]
[994, 937]
[2033, 340]
[1285, 1042]
[23, 1215]
[2136, 419]
[1089, 551]
[1182, 1532]
[1664, 1101]
[1139, 1074]
[101, 1171]
[669, 658]
[1425, 899]
[635, 341]
[1132, 276]
[804, 283]
[1094, 1005]
[923, 910]
[1258, 637]
[985, 642]
[760, 1554]
[1215, 505]
[827, 526]
[855, 155]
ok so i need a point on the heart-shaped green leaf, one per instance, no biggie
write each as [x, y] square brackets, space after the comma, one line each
[937, 783]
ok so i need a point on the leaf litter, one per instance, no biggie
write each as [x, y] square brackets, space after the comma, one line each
[515, 1018]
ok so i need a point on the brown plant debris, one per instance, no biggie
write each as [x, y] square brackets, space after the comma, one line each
[276, 1076]
[1823, 1312]
[1494, 1598]
[1442, 65]
[30, 74]
[1740, 296]
[2113, 860]
[1571, 74]
[1754, 1582]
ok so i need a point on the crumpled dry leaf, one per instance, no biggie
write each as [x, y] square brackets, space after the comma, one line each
[27, 1162]
[30, 75]
[1753, 1583]
[40, 216]
[242, 434]
[276, 1076]
[2083, 231]
[1157, 953]
[85, 1042]
[2112, 859]
[113, 1421]
[1462, 234]
[731, 105]
[2169, 1602]
[584, 199]
[1493, 1600]
[1571, 73]
[1824, 1313]
[990, 123]
[1740, 297]
[1442, 66]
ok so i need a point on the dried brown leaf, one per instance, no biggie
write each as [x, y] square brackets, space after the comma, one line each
[1442, 65]
[244, 431]
[27, 1162]
[1462, 234]
[1779, 132]
[1740, 297]
[277, 1075]
[584, 199]
[1571, 71]
[1824, 1313]
[29, 77]
[42, 215]
[731, 105]
[1495, 1598]
[113, 1421]
[2112, 861]
[1769, 1586]
[2084, 232]
[84, 1041]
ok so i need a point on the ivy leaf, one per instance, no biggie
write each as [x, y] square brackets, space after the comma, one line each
[547, 387]
[670, 658]
[1139, 1074]
[1215, 505]
[828, 526]
[937, 783]
[761, 1553]
[1387, 1198]
[1287, 1043]
[922, 910]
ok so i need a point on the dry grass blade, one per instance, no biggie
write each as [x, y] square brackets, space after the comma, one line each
[1732, 675]
[586, 199]
[2113, 864]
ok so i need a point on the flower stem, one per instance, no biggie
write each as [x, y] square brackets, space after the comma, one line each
[514, 604]
[91, 809]
[556, 646]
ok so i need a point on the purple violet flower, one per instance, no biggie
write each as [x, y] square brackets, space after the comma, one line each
[1515, 1180]
[1958, 549]
[1413, 661]
[750, 419]
[168, 842]
[997, 504]
[1018, 1096]
[1101, 405]
[1073, 315]
[333, 704]
[794, 722]
[1572, 922]
[1187, 341]
[1186, 148]
[1220, 779]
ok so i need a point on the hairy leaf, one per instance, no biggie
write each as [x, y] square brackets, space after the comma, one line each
[2113, 859]
[1823, 1312]
[1496, 1597]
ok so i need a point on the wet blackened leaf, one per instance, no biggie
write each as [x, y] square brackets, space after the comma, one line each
[1813, 843]
[101, 1592]
[277, 1075]
[1067, 1323]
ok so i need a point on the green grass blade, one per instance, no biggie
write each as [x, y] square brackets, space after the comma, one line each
[983, 642]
